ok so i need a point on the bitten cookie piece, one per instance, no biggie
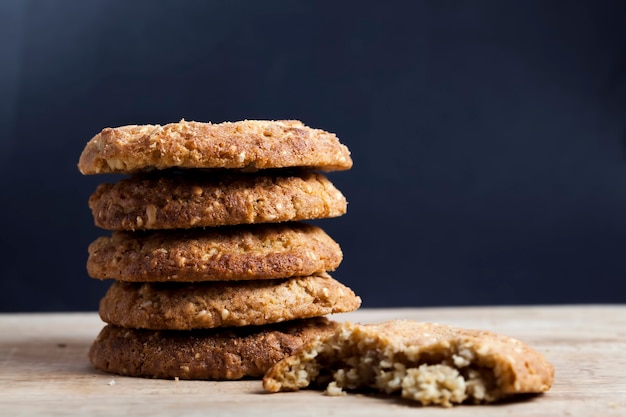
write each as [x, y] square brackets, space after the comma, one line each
[425, 362]
[181, 200]
[217, 304]
[201, 354]
[263, 251]
[248, 144]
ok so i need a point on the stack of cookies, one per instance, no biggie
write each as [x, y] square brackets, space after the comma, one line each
[216, 276]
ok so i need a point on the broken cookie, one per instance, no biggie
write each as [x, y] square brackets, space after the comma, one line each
[426, 362]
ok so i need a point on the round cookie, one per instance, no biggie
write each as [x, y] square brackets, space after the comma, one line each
[263, 251]
[426, 362]
[201, 354]
[197, 198]
[174, 306]
[248, 144]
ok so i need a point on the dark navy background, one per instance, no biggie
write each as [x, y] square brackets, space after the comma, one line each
[488, 136]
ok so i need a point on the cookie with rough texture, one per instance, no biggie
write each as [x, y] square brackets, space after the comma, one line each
[180, 200]
[201, 354]
[263, 251]
[425, 362]
[248, 144]
[199, 305]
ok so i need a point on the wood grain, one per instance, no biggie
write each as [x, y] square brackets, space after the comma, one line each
[44, 370]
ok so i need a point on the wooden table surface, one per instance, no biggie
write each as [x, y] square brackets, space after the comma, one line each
[44, 370]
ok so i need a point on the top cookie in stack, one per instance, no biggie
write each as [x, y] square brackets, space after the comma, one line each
[197, 245]
[247, 145]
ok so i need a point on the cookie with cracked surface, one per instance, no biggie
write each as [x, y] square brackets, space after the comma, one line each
[250, 252]
[425, 362]
[199, 305]
[223, 354]
[248, 144]
[196, 198]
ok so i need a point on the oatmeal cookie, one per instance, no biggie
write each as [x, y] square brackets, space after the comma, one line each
[425, 362]
[198, 305]
[248, 144]
[222, 354]
[180, 200]
[263, 251]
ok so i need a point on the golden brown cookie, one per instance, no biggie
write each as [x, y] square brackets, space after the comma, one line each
[248, 144]
[201, 354]
[425, 362]
[196, 198]
[200, 305]
[262, 251]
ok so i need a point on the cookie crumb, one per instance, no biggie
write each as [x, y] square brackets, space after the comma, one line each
[334, 390]
[112, 382]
